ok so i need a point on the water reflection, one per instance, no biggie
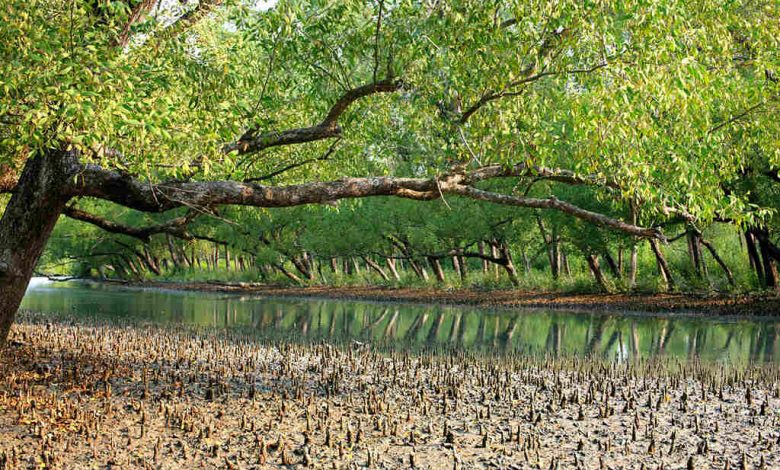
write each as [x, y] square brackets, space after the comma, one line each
[612, 336]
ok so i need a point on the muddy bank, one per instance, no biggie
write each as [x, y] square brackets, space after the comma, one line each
[741, 305]
[101, 396]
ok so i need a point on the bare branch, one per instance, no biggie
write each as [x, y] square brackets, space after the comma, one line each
[177, 226]
[136, 16]
[252, 142]
[376, 38]
[292, 166]
[736, 117]
[510, 89]
[556, 204]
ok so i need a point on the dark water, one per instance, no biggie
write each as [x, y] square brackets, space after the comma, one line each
[404, 326]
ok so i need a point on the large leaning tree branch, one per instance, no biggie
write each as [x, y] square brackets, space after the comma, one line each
[252, 142]
[94, 181]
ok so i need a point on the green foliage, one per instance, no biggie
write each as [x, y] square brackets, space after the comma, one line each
[670, 102]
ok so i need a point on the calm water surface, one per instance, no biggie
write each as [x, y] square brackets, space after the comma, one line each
[404, 326]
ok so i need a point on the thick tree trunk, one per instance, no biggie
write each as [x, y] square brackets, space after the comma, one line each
[38, 200]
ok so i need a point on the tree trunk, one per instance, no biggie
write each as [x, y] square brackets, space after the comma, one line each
[695, 253]
[456, 265]
[663, 266]
[770, 268]
[494, 253]
[527, 262]
[150, 261]
[613, 266]
[373, 265]
[464, 268]
[719, 260]
[436, 266]
[565, 264]
[287, 273]
[593, 263]
[510, 265]
[485, 263]
[755, 260]
[393, 270]
[634, 266]
[37, 202]
[173, 252]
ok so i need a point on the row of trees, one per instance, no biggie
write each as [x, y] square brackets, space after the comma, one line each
[629, 116]
[402, 242]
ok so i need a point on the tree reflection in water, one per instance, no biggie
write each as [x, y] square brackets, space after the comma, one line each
[405, 326]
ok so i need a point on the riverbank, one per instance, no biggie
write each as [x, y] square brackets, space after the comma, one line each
[106, 395]
[714, 304]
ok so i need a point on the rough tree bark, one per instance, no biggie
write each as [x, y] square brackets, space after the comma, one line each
[38, 200]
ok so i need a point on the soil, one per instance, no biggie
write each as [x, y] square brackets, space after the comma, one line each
[85, 395]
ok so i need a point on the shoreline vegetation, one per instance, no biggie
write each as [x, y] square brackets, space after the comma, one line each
[755, 304]
[77, 394]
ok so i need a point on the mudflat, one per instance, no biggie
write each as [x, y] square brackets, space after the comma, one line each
[86, 395]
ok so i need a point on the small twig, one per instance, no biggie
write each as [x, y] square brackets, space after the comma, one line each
[376, 38]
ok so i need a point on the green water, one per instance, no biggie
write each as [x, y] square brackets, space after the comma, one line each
[404, 326]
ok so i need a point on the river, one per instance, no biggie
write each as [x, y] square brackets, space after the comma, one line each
[612, 335]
